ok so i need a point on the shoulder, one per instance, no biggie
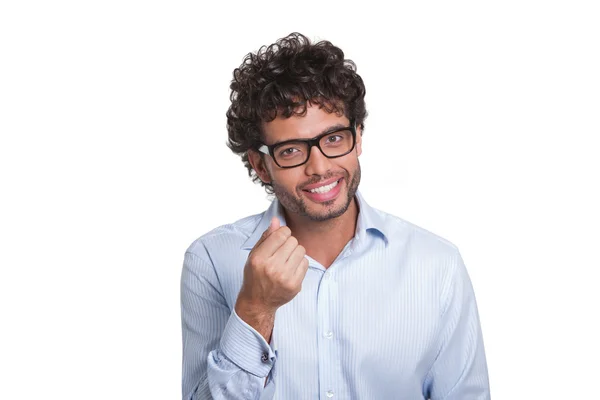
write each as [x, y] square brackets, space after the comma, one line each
[416, 239]
[426, 256]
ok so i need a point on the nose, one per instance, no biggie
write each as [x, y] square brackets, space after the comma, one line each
[317, 163]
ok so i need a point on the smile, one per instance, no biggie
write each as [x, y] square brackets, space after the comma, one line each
[326, 188]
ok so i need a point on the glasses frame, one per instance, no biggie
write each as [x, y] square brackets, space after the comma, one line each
[270, 149]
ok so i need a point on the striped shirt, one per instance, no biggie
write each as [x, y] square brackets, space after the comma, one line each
[394, 317]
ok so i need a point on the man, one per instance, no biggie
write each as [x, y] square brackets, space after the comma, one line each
[321, 296]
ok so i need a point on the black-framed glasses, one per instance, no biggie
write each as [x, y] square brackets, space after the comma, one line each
[295, 152]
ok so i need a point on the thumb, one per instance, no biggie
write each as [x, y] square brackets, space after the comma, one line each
[273, 226]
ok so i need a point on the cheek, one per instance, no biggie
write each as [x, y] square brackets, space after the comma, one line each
[351, 165]
[289, 179]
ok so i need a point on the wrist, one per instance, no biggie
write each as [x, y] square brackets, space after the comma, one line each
[259, 317]
[253, 309]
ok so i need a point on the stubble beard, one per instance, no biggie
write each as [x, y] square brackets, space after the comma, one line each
[297, 205]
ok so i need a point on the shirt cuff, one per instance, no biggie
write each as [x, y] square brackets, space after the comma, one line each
[245, 347]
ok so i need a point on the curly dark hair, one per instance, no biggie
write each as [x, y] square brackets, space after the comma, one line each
[283, 78]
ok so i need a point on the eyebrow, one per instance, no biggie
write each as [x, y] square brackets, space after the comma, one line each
[324, 131]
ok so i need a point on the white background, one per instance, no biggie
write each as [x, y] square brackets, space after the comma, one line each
[483, 126]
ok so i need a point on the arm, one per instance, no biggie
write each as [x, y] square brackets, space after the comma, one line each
[459, 371]
[223, 357]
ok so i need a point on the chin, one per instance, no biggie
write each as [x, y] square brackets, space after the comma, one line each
[327, 210]
[328, 215]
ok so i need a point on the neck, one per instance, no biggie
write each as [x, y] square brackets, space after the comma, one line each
[324, 240]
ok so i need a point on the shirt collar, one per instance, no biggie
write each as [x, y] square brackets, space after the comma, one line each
[369, 219]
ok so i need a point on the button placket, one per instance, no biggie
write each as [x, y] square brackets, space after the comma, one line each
[325, 333]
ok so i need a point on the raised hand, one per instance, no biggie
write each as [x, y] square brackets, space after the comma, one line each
[273, 276]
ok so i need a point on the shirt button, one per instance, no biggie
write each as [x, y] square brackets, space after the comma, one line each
[265, 357]
[329, 393]
[326, 276]
[328, 335]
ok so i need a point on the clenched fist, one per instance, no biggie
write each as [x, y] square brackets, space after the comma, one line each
[273, 276]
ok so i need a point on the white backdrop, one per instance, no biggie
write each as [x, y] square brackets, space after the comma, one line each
[483, 128]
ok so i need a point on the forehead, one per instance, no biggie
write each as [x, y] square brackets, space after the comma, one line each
[314, 122]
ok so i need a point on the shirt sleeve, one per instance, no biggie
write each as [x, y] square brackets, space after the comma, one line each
[223, 357]
[459, 371]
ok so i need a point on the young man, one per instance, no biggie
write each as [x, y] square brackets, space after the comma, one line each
[321, 296]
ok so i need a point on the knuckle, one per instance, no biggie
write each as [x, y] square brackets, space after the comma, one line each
[271, 271]
[289, 286]
[280, 235]
[301, 249]
[292, 241]
[256, 260]
[296, 289]
[285, 230]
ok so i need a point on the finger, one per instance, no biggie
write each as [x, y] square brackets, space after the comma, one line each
[295, 258]
[275, 240]
[282, 254]
[273, 226]
[300, 272]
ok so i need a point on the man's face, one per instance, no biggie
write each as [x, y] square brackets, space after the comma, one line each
[293, 186]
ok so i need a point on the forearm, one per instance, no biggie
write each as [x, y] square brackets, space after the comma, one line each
[223, 356]
[238, 368]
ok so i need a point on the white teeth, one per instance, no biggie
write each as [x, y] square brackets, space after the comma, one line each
[324, 189]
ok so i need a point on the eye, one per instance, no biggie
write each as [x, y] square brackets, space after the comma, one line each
[290, 151]
[333, 140]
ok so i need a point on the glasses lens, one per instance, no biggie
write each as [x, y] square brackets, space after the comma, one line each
[291, 154]
[337, 143]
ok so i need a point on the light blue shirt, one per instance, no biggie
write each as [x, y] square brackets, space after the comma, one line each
[394, 317]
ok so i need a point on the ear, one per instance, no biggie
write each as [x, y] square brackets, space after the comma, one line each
[358, 140]
[259, 165]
